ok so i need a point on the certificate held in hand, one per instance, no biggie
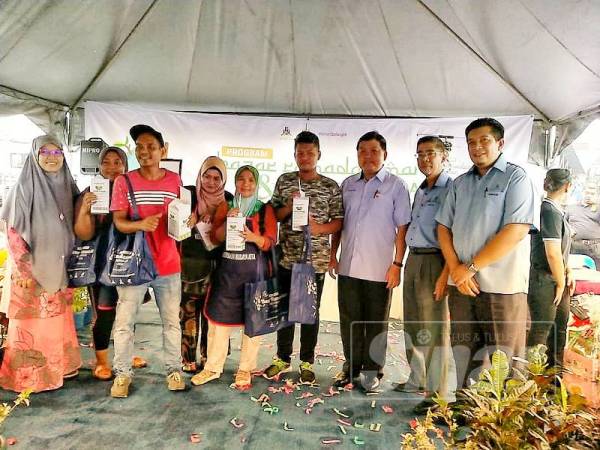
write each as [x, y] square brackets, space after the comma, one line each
[234, 239]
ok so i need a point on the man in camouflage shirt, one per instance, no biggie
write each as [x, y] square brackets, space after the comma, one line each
[325, 218]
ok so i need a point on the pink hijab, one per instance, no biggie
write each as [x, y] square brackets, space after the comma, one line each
[208, 201]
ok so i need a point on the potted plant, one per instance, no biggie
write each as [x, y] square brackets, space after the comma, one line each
[530, 410]
[6, 409]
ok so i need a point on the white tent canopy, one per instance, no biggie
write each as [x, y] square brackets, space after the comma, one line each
[413, 58]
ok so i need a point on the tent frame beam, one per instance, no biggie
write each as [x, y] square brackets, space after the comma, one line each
[484, 62]
[16, 93]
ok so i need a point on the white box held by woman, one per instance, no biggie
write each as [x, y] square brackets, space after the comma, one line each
[179, 212]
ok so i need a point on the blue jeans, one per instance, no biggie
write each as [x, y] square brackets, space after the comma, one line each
[167, 290]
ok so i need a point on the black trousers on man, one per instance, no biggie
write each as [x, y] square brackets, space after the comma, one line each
[364, 313]
[308, 332]
[482, 324]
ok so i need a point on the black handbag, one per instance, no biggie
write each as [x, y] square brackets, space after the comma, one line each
[129, 261]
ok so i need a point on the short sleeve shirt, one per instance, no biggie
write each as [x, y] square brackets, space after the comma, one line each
[422, 231]
[553, 227]
[152, 197]
[325, 204]
[373, 211]
[475, 210]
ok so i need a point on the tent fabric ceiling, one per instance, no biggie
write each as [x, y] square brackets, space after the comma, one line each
[336, 57]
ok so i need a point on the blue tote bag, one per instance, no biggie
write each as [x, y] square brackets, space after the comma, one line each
[129, 261]
[265, 307]
[303, 287]
[81, 268]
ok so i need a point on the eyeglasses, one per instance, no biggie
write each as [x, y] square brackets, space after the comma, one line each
[426, 155]
[48, 152]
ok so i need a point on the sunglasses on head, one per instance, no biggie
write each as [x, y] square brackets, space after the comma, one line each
[51, 152]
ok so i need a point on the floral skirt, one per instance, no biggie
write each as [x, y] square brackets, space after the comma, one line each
[39, 352]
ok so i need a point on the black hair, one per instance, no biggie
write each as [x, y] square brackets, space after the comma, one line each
[556, 178]
[372, 135]
[434, 139]
[306, 137]
[497, 128]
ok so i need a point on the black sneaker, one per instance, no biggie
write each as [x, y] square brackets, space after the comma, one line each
[342, 379]
[409, 388]
[422, 407]
[307, 374]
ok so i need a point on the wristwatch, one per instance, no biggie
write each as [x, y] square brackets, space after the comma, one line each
[472, 267]
[397, 263]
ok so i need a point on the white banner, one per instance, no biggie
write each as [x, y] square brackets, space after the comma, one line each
[268, 142]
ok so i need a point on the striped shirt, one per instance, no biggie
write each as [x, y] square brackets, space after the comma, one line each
[152, 197]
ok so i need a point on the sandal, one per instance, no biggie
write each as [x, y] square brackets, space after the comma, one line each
[189, 367]
[138, 362]
[71, 375]
[243, 379]
[102, 373]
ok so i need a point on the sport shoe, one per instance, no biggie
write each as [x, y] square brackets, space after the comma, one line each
[278, 367]
[342, 379]
[120, 387]
[175, 381]
[204, 377]
[243, 379]
[369, 382]
[307, 374]
[422, 407]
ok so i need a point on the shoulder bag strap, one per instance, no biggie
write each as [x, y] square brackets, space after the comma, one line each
[307, 247]
[136, 215]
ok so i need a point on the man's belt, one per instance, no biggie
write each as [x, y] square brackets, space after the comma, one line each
[425, 250]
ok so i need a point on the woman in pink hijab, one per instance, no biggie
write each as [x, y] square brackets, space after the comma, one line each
[198, 259]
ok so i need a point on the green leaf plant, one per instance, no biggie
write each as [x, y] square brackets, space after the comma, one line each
[530, 409]
[6, 409]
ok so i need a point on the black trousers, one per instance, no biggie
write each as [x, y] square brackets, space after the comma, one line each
[548, 322]
[308, 333]
[480, 325]
[194, 325]
[364, 314]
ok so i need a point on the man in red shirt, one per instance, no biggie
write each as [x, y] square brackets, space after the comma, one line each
[154, 188]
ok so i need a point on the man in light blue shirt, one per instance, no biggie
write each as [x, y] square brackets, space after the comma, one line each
[483, 231]
[376, 217]
[424, 292]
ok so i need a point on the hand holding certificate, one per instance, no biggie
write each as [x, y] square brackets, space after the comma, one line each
[234, 234]
[101, 188]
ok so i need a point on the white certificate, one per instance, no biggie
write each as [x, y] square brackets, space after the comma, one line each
[234, 239]
[299, 213]
[204, 229]
[101, 187]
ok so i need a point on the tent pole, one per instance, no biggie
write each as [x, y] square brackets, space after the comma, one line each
[483, 61]
[108, 63]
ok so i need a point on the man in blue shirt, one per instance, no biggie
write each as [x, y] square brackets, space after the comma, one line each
[376, 217]
[424, 294]
[483, 231]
